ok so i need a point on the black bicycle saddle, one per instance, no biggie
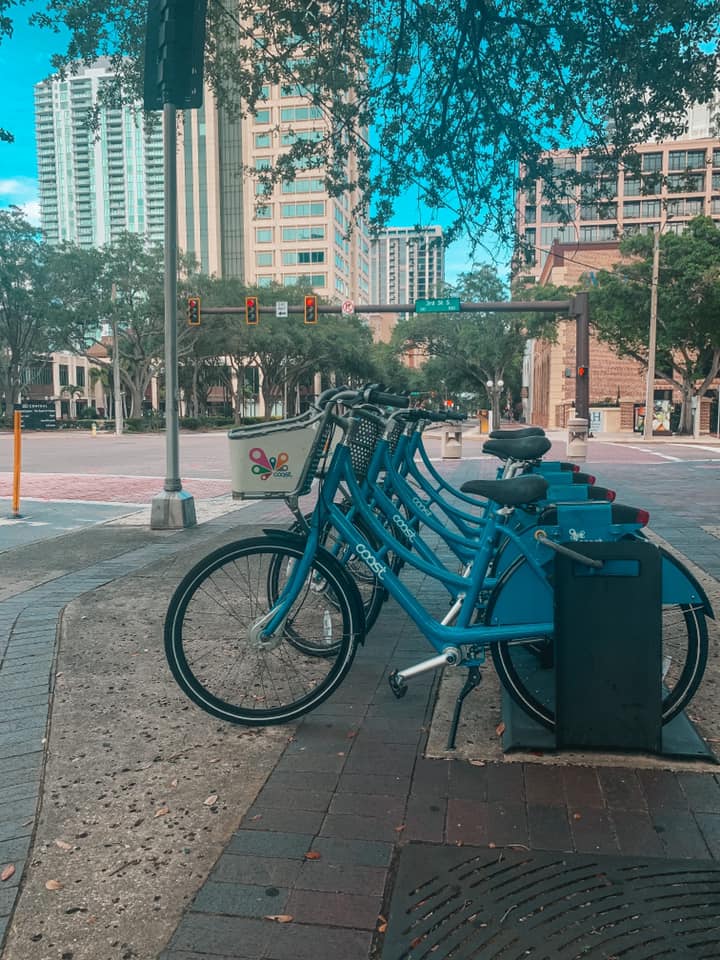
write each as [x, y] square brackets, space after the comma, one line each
[526, 448]
[509, 493]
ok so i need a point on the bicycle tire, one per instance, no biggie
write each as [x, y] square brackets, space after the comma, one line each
[684, 658]
[216, 664]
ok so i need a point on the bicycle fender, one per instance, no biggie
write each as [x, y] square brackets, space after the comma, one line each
[679, 585]
[349, 585]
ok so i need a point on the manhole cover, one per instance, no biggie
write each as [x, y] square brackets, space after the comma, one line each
[468, 903]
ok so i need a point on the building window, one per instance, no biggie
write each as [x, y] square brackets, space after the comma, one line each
[264, 259]
[292, 136]
[293, 114]
[316, 232]
[314, 209]
[262, 116]
[64, 375]
[632, 187]
[303, 186]
[530, 214]
[557, 213]
[631, 209]
[264, 281]
[686, 183]
[292, 257]
[263, 235]
[652, 161]
[314, 279]
[263, 213]
[263, 140]
[716, 157]
[262, 163]
[650, 208]
[686, 159]
[80, 376]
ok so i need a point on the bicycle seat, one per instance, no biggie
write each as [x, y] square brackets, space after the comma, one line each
[526, 448]
[518, 434]
[509, 493]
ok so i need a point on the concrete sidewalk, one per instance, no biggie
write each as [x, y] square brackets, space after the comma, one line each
[138, 827]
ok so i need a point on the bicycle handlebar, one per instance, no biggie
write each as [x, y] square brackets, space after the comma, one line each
[375, 393]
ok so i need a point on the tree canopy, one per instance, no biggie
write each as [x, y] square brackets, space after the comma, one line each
[466, 350]
[64, 297]
[462, 97]
[688, 314]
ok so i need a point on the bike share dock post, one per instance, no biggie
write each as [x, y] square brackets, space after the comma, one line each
[608, 647]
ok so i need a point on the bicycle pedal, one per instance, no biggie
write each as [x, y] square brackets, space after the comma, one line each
[398, 686]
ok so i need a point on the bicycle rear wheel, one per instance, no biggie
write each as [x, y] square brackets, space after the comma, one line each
[213, 656]
[522, 666]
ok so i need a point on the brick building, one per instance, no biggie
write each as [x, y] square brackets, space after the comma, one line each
[679, 180]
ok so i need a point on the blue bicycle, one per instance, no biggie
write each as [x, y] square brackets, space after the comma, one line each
[263, 630]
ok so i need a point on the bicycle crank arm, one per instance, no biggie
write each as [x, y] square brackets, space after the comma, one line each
[398, 678]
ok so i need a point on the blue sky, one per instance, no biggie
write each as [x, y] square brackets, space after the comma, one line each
[25, 60]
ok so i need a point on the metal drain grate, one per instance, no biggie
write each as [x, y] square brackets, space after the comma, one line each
[468, 903]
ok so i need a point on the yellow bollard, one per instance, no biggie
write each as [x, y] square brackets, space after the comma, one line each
[93, 429]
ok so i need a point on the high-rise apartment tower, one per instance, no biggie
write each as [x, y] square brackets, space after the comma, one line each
[95, 184]
[408, 264]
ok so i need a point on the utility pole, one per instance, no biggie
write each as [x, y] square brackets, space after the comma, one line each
[650, 391]
[117, 388]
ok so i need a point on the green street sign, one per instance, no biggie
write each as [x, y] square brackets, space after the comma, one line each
[439, 305]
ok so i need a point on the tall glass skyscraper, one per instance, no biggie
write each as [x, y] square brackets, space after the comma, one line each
[95, 184]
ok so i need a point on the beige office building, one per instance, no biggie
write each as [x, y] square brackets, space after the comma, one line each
[298, 233]
[678, 180]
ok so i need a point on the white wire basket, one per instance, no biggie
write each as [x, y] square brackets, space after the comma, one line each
[281, 459]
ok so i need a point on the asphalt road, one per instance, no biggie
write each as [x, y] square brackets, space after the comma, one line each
[71, 480]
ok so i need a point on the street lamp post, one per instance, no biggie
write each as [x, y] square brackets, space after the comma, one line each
[494, 389]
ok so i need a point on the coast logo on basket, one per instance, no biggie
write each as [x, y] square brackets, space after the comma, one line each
[268, 467]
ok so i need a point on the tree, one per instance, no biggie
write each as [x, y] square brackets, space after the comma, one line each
[23, 333]
[469, 349]
[688, 324]
[459, 94]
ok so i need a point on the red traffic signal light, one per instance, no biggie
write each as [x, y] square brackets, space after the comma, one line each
[251, 310]
[193, 311]
[582, 371]
[311, 312]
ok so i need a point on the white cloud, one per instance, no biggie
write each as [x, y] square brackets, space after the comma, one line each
[31, 209]
[17, 190]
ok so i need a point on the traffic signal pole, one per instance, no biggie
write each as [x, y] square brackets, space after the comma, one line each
[580, 309]
[173, 508]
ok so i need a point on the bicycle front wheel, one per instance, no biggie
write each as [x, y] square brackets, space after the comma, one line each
[221, 666]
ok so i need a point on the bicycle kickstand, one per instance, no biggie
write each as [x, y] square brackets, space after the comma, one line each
[473, 680]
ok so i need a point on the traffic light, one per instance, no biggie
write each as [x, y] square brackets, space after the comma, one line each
[311, 309]
[193, 311]
[582, 371]
[251, 311]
